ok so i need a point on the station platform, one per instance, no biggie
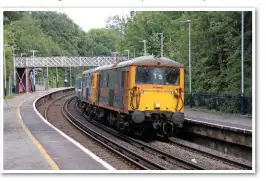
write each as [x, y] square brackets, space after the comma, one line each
[29, 143]
[221, 119]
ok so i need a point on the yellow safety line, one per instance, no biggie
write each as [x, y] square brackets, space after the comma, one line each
[37, 144]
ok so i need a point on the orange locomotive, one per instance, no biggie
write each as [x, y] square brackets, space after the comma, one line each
[142, 95]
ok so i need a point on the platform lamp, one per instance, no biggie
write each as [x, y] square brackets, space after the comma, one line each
[144, 44]
[127, 54]
[14, 65]
[161, 43]
[189, 58]
[242, 67]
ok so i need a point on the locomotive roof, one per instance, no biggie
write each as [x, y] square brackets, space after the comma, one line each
[144, 60]
[150, 60]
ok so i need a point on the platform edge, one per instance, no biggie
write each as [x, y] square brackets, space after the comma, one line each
[105, 164]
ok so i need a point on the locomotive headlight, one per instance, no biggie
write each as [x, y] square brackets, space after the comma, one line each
[157, 105]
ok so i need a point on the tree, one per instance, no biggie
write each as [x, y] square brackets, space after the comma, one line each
[103, 41]
[116, 23]
[28, 35]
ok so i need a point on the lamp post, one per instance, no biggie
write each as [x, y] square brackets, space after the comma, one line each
[144, 44]
[33, 52]
[14, 64]
[5, 70]
[242, 68]
[189, 57]
[161, 43]
[127, 54]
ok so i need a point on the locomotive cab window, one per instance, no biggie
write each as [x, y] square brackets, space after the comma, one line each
[157, 75]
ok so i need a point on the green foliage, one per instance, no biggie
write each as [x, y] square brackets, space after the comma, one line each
[28, 35]
[215, 45]
[10, 16]
[103, 41]
[61, 29]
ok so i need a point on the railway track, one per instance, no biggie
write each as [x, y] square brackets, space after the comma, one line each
[141, 161]
[175, 162]
[52, 111]
[110, 144]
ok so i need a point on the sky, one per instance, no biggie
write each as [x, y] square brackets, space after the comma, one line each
[88, 18]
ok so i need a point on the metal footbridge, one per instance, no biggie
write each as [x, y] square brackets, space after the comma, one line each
[39, 62]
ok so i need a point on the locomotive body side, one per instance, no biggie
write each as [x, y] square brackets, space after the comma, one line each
[111, 89]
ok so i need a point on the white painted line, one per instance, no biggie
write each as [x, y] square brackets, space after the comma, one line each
[106, 165]
[245, 130]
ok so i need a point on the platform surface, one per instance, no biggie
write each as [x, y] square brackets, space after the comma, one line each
[228, 120]
[21, 152]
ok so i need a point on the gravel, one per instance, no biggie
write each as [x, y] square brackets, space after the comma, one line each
[175, 150]
[208, 150]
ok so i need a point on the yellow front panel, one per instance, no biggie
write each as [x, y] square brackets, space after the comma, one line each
[164, 98]
[165, 95]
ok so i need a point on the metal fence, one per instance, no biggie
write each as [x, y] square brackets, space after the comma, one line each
[229, 103]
